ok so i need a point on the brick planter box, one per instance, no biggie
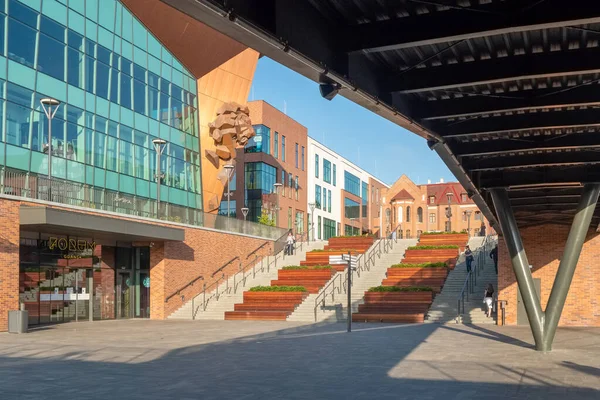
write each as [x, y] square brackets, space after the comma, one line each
[417, 272]
[267, 306]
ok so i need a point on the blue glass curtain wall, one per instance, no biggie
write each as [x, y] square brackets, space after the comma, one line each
[119, 89]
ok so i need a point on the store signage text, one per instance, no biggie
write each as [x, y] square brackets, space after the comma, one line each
[70, 244]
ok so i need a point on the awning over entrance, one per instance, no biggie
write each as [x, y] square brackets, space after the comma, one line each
[52, 220]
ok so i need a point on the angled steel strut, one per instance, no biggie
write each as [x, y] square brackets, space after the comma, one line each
[543, 324]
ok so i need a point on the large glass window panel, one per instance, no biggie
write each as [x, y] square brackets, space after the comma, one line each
[153, 106]
[318, 196]
[75, 40]
[18, 120]
[52, 29]
[102, 80]
[22, 13]
[111, 153]
[75, 68]
[125, 157]
[89, 74]
[178, 173]
[260, 143]
[139, 97]
[75, 142]
[352, 183]
[142, 157]
[103, 54]
[114, 85]
[125, 98]
[89, 146]
[326, 170]
[351, 208]
[176, 114]
[99, 149]
[164, 109]
[276, 145]
[21, 43]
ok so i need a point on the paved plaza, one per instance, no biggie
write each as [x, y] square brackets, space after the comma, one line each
[142, 359]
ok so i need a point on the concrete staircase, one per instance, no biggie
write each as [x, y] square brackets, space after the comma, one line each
[335, 309]
[443, 309]
[217, 306]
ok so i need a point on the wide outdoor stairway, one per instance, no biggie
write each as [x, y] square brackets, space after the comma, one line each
[217, 306]
[335, 307]
[444, 307]
[313, 275]
[408, 291]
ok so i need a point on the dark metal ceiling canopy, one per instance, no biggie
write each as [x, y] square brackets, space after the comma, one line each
[505, 91]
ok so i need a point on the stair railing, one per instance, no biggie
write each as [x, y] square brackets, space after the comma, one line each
[241, 270]
[335, 284]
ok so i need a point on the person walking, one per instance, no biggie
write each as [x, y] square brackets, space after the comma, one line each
[494, 256]
[468, 258]
[488, 299]
[289, 244]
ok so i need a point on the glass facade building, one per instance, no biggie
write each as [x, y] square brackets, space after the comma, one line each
[259, 179]
[119, 89]
[261, 143]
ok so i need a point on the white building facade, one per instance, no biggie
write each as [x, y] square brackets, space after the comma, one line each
[341, 192]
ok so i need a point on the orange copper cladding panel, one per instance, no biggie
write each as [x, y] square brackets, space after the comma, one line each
[200, 48]
[231, 81]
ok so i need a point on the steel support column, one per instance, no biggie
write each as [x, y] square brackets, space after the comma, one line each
[543, 325]
[566, 268]
[511, 234]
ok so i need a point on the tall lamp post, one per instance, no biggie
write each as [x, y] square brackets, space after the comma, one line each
[245, 212]
[229, 168]
[277, 185]
[159, 147]
[449, 211]
[312, 220]
[50, 107]
[469, 212]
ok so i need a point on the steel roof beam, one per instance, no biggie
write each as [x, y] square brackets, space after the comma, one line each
[547, 175]
[507, 145]
[495, 70]
[529, 121]
[588, 95]
[454, 25]
[561, 159]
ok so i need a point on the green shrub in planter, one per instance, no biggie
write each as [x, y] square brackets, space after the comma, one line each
[278, 289]
[401, 289]
[422, 265]
[333, 251]
[441, 247]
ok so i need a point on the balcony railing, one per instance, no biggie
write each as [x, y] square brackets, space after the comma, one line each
[30, 186]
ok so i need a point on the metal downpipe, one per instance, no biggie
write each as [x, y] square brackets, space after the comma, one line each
[568, 263]
[520, 264]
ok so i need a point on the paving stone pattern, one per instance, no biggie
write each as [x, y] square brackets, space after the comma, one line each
[142, 359]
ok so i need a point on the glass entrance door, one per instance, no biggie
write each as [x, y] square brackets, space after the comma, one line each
[124, 295]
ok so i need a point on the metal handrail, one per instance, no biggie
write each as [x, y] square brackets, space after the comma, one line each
[225, 265]
[471, 278]
[323, 293]
[257, 249]
[178, 291]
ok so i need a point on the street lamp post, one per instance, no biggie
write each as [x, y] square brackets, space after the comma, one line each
[277, 185]
[449, 212]
[229, 168]
[245, 212]
[47, 106]
[312, 220]
[159, 147]
[469, 212]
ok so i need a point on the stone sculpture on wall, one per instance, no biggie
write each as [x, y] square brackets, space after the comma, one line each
[230, 130]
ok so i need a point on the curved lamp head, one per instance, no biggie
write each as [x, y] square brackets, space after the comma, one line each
[159, 141]
[49, 102]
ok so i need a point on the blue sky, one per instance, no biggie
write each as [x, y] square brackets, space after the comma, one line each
[375, 144]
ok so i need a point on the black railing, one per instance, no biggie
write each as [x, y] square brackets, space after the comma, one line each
[222, 267]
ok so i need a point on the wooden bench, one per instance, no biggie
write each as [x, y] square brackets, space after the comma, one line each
[275, 296]
[417, 272]
[435, 283]
[384, 317]
[398, 297]
[257, 315]
[393, 308]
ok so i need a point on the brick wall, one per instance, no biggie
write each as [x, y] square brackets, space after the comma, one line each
[172, 265]
[544, 246]
[201, 253]
[9, 260]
